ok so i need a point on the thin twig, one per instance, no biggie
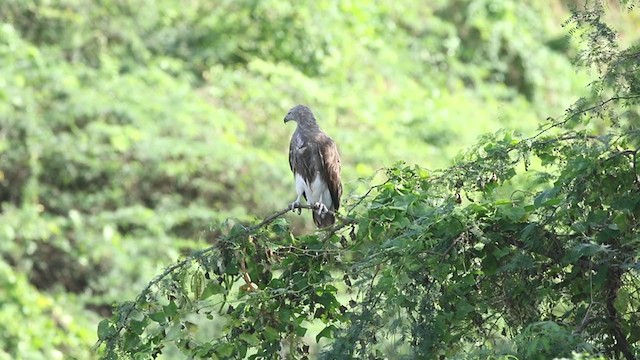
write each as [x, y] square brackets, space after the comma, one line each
[365, 196]
[623, 153]
[581, 112]
[462, 236]
[585, 320]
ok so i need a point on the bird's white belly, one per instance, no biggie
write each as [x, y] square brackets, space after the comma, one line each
[316, 191]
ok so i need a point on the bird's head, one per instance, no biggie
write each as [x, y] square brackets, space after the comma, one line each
[301, 114]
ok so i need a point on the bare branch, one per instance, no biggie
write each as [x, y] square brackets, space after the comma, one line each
[278, 214]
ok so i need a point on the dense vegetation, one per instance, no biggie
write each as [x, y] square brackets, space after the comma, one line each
[131, 131]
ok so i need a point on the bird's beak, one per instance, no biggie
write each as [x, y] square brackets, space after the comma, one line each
[287, 118]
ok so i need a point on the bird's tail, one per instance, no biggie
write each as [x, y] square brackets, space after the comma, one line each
[323, 220]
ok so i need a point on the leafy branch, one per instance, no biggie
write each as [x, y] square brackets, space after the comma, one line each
[111, 336]
[533, 257]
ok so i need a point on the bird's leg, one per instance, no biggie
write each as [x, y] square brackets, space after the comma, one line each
[296, 204]
[321, 208]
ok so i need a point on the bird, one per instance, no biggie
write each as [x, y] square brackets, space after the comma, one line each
[315, 163]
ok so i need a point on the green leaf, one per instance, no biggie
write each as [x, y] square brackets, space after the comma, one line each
[402, 202]
[280, 226]
[105, 329]
[621, 221]
[579, 227]
[174, 332]
[463, 308]
[158, 316]
[489, 265]
[583, 249]
[271, 334]
[327, 332]
[528, 232]
[501, 252]
[515, 213]
[331, 289]
[284, 315]
[212, 288]
[300, 331]
[606, 234]
[477, 208]
[250, 339]
[547, 198]
[546, 158]
[224, 350]
[138, 326]
[171, 309]
[601, 275]
[237, 230]
[131, 340]
[622, 300]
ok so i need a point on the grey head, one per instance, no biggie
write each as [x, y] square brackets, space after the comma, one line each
[301, 114]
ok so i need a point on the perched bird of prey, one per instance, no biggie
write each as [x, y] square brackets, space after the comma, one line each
[315, 163]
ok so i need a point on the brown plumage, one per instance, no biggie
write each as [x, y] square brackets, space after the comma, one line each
[315, 163]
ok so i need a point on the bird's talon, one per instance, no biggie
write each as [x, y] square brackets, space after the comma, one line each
[321, 208]
[295, 205]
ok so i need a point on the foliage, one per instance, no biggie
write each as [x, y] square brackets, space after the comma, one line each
[525, 247]
[552, 271]
[52, 325]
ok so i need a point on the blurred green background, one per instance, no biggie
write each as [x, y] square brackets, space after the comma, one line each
[129, 128]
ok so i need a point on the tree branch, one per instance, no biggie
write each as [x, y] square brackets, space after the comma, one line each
[123, 319]
[613, 284]
[278, 214]
[573, 115]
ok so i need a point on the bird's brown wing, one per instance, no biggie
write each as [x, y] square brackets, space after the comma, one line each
[298, 161]
[330, 169]
[291, 156]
